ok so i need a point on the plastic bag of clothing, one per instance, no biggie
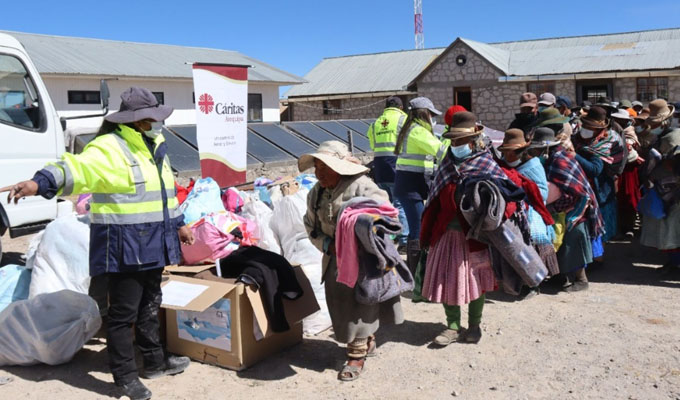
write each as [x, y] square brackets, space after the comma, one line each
[214, 238]
[50, 328]
[14, 283]
[61, 260]
[307, 181]
[288, 226]
[205, 198]
[255, 210]
[232, 200]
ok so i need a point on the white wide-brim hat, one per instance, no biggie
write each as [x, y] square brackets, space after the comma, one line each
[336, 156]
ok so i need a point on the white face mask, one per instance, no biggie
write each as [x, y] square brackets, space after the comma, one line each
[639, 129]
[155, 131]
[513, 164]
[586, 133]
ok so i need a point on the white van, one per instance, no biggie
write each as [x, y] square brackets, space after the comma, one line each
[31, 134]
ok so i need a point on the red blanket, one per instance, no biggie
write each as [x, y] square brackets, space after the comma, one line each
[534, 197]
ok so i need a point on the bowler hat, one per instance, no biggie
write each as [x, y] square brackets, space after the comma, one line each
[595, 119]
[528, 99]
[543, 137]
[550, 116]
[463, 124]
[513, 140]
[138, 104]
[660, 111]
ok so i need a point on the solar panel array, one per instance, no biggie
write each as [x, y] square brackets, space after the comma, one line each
[268, 142]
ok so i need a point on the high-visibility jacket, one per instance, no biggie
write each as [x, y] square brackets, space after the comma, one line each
[382, 134]
[134, 209]
[419, 149]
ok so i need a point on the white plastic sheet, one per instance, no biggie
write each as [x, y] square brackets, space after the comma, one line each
[50, 328]
[288, 226]
[61, 259]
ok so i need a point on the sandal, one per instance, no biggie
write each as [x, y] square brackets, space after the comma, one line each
[350, 372]
[372, 346]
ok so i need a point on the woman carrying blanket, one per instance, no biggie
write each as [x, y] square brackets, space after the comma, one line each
[342, 178]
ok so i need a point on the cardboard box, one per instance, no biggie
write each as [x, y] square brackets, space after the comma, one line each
[221, 322]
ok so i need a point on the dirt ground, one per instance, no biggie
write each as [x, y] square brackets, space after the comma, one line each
[618, 340]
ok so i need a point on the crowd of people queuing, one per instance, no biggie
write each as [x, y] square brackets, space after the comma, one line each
[566, 180]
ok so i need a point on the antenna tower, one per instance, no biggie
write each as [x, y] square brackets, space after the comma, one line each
[418, 22]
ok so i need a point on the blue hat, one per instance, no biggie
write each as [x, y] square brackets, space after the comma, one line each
[563, 101]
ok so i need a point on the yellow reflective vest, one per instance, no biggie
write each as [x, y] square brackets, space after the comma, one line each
[419, 149]
[120, 172]
[382, 134]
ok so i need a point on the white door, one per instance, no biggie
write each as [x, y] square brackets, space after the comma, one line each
[28, 134]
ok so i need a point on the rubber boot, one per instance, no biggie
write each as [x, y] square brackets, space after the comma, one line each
[413, 255]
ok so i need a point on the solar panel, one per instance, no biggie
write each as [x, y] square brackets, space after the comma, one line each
[265, 151]
[340, 131]
[356, 125]
[253, 162]
[282, 138]
[369, 121]
[183, 157]
[186, 132]
[311, 131]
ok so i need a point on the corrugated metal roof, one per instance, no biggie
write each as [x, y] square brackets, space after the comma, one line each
[496, 56]
[82, 56]
[634, 51]
[365, 73]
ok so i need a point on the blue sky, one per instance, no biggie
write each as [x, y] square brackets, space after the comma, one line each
[296, 35]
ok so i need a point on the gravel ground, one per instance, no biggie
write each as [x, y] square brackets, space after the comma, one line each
[618, 340]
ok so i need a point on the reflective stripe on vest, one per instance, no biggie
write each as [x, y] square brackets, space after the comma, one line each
[132, 208]
[422, 163]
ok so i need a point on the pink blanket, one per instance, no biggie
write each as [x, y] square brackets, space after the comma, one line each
[346, 244]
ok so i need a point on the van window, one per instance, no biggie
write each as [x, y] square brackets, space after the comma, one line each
[19, 103]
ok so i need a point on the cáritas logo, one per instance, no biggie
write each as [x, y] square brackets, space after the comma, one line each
[206, 104]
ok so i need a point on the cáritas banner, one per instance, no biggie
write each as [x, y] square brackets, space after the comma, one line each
[221, 97]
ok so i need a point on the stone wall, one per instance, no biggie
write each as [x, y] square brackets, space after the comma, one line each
[625, 89]
[352, 108]
[674, 88]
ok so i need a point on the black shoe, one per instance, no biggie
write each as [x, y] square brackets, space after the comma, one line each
[173, 366]
[135, 390]
[577, 287]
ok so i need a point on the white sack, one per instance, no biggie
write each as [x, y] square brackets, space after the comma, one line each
[288, 226]
[61, 260]
[255, 210]
[50, 328]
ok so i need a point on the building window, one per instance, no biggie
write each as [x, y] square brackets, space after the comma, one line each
[160, 97]
[84, 97]
[649, 89]
[332, 107]
[254, 107]
[541, 87]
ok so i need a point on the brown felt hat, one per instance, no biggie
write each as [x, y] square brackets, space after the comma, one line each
[513, 140]
[595, 119]
[528, 99]
[660, 111]
[463, 124]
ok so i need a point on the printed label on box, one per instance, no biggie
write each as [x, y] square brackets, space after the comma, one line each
[211, 327]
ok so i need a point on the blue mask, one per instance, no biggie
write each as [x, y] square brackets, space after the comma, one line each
[462, 151]
[657, 131]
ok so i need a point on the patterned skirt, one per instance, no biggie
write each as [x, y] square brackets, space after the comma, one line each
[453, 275]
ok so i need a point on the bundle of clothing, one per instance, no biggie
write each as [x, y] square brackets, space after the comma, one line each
[271, 274]
[367, 257]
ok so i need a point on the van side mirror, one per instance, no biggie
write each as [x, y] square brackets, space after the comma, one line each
[104, 94]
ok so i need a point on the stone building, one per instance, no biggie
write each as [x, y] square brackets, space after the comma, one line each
[356, 86]
[489, 78]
